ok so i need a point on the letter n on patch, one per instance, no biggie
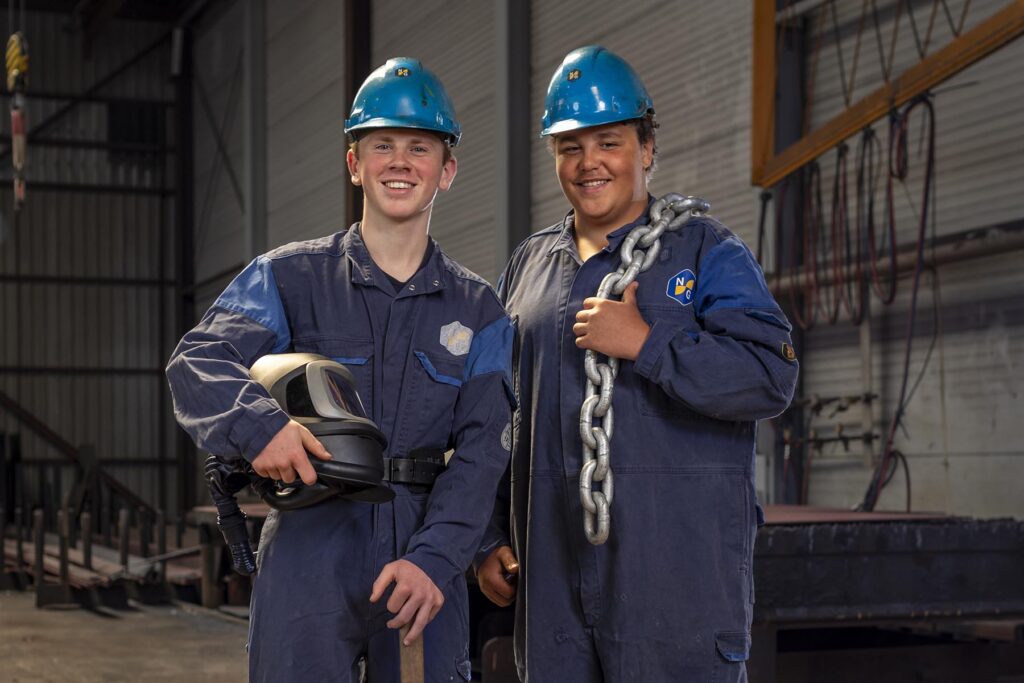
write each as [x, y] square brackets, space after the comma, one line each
[681, 286]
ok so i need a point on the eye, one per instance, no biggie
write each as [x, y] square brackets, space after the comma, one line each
[382, 147]
[419, 149]
[609, 145]
[569, 149]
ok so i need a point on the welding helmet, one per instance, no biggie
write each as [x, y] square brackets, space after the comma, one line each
[403, 94]
[320, 394]
[592, 87]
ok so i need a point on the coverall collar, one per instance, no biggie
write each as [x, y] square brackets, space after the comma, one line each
[429, 278]
[565, 241]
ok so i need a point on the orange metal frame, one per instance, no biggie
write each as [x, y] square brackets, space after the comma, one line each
[768, 168]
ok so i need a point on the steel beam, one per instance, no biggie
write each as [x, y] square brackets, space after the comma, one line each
[358, 32]
[255, 239]
[512, 155]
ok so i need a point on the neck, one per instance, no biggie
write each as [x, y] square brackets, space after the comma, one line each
[591, 234]
[396, 248]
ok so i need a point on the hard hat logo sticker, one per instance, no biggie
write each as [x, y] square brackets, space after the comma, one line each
[402, 71]
[680, 287]
[574, 75]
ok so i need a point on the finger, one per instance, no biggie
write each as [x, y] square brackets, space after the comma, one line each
[404, 615]
[305, 469]
[502, 588]
[579, 329]
[286, 474]
[583, 342]
[400, 597]
[629, 295]
[583, 316]
[384, 579]
[313, 445]
[423, 618]
[590, 302]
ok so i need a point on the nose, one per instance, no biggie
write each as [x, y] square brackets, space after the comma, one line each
[588, 158]
[399, 160]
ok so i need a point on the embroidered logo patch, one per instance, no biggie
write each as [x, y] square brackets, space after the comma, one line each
[681, 287]
[788, 353]
[456, 337]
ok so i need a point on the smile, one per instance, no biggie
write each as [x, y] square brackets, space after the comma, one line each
[593, 183]
[398, 184]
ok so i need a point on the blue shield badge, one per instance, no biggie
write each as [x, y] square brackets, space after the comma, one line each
[681, 286]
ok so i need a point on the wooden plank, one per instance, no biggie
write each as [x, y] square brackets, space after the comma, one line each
[972, 46]
[763, 71]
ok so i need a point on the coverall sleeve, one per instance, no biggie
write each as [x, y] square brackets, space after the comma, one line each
[740, 364]
[215, 401]
[463, 496]
[499, 528]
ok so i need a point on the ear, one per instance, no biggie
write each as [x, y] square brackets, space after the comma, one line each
[352, 161]
[647, 154]
[448, 172]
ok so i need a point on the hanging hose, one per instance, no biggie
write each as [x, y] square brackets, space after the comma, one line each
[17, 76]
[900, 126]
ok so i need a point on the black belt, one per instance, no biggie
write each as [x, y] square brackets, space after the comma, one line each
[420, 468]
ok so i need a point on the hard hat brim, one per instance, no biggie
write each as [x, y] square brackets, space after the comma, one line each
[566, 125]
[386, 122]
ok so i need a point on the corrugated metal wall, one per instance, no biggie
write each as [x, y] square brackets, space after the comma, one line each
[218, 219]
[86, 357]
[306, 111]
[961, 438]
[455, 39]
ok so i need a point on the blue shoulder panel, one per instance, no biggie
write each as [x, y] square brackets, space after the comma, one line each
[254, 294]
[491, 350]
[731, 278]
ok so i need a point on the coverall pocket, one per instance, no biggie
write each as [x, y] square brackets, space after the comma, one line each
[435, 389]
[733, 646]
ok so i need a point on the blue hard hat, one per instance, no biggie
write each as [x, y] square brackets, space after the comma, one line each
[403, 94]
[592, 87]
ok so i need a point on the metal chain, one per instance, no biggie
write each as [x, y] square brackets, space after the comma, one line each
[639, 251]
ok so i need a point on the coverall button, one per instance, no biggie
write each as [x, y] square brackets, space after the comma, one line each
[412, 288]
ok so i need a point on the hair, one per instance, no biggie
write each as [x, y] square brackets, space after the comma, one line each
[645, 127]
[447, 154]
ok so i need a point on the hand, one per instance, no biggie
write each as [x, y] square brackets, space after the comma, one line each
[614, 328]
[414, 596]
[491, 576]
[286, 455]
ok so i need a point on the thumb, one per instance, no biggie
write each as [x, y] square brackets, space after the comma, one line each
[313, 445]
[629, 294]
[384, 579]
[508, 560]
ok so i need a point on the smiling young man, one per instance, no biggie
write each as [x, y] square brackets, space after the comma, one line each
[705, 352]
[429, 346]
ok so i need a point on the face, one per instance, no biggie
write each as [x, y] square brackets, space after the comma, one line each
[400, 171]
[601, 170]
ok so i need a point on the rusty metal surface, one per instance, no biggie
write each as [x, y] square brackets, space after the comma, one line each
[891, 567]
[805, 514]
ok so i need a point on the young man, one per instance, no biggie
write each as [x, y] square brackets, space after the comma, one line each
[429, 346]
[705, 353]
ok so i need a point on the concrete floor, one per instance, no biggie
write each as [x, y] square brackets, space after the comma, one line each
[149, 643]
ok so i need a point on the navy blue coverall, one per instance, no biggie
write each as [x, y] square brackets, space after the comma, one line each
[432, 366]
[669, 596]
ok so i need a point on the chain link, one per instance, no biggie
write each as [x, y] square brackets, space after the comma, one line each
[639, 251]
